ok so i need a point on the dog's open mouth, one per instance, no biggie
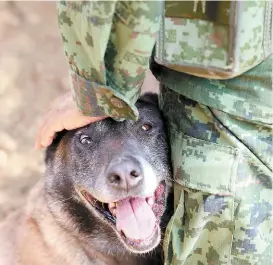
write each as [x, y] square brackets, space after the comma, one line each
[135, 219]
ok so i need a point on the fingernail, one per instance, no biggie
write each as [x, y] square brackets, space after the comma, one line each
[37, 147]
[48, 143]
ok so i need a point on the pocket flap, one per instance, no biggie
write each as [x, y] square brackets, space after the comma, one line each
[203, 165]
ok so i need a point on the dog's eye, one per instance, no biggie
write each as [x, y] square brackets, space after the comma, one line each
[146, 127]
[85, 139]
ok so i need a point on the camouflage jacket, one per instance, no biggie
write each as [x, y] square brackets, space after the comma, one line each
[220, 146]
[109, 45]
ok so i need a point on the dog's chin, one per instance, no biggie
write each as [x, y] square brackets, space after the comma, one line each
[107, 214]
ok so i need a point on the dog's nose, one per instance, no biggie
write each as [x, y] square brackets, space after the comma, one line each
[125, 175]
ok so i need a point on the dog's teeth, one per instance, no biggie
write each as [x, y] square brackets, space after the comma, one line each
[114, 212]
[112, 205]
[150, 201]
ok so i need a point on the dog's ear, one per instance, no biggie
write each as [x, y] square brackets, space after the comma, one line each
[50, 151]
[149, 97]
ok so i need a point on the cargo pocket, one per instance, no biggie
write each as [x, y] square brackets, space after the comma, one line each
[200, 231]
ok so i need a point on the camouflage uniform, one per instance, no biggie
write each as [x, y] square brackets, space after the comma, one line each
[214, 64]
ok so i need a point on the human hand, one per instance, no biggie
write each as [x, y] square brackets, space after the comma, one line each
[63, 114]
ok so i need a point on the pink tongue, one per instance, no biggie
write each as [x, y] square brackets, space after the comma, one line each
[135, 218]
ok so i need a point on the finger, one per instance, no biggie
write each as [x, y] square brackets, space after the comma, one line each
[38, 136]
[63, 120]
[79, 120]
[53, 125]
[41, 146]
[49, 142]
[94, 119]
[42, 125]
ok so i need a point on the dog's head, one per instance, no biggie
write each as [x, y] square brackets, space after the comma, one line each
[109, 180]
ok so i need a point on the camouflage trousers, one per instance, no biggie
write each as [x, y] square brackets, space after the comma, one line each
[221, 143]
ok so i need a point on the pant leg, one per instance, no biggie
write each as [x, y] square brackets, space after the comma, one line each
[223, 194]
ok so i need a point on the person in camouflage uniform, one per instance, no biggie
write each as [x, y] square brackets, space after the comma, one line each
[214, 64]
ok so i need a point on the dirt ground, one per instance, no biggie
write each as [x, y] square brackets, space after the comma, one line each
[33, 72]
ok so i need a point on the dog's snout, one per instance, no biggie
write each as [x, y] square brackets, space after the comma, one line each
[125, 174]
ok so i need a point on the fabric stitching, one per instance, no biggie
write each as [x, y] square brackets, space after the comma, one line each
[197, 186]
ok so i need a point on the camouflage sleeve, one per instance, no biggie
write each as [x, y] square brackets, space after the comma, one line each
[108, 46]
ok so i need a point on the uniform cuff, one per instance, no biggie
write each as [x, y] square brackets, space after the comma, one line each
[95, 100]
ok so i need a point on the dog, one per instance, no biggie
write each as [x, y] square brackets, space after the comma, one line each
[103, 200]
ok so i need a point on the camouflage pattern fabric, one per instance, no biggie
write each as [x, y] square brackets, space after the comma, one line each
[223, 173]
[215, 39]
[108, 45]
[220, 130]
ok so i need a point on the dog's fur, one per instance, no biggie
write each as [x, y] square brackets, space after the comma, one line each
[56, 226]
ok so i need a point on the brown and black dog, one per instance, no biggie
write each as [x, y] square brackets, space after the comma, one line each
[103, 199]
